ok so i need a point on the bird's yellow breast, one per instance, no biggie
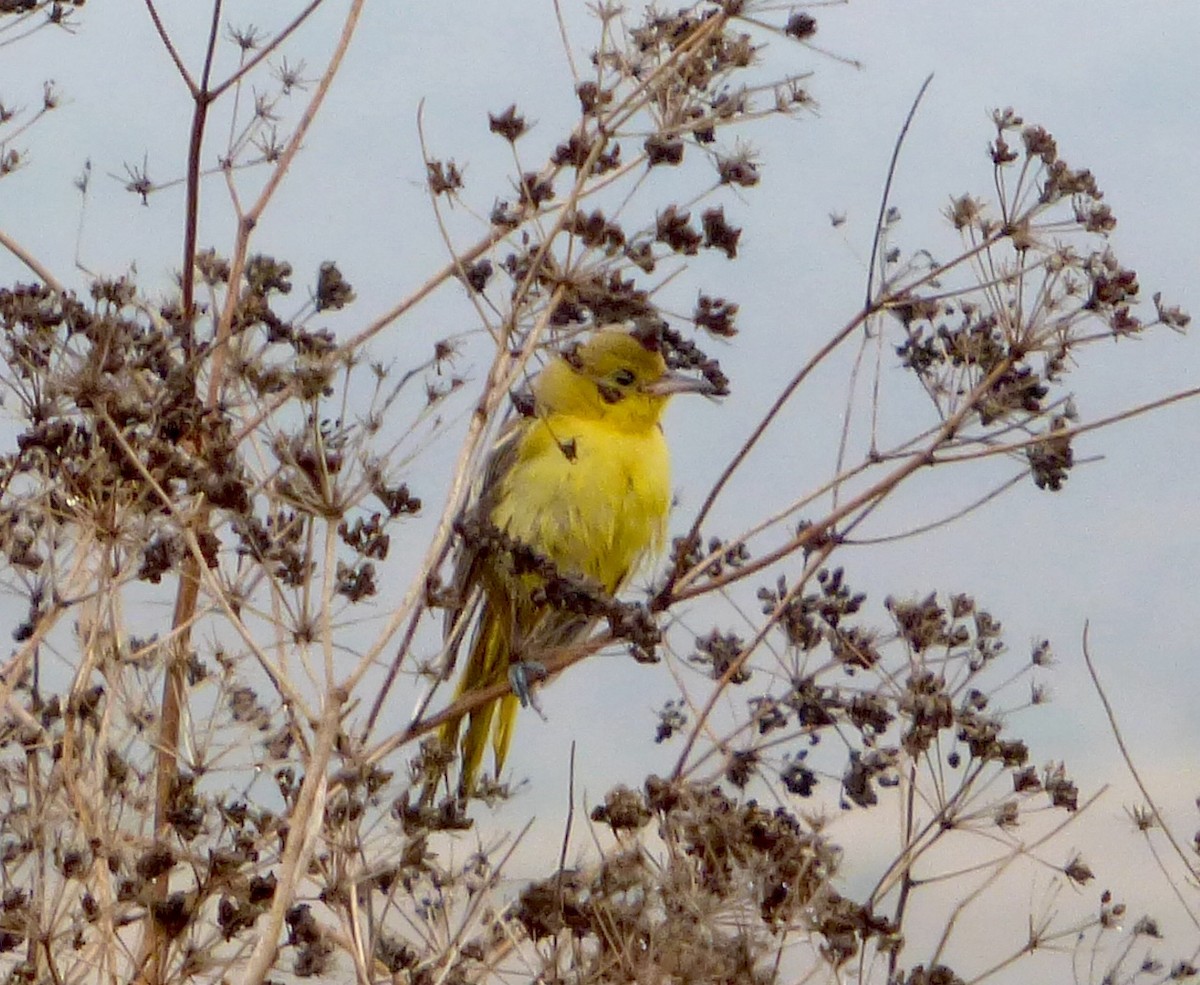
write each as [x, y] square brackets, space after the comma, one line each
[590, 494]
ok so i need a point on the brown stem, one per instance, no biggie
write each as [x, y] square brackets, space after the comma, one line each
[155, 943]
[202, 99]
[32, 262]
[192, 223]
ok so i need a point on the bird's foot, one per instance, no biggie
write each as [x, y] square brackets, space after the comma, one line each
[522, 675]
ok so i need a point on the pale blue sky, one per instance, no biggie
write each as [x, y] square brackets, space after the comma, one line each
[1115, 82]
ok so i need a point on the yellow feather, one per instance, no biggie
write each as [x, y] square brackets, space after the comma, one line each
[586, 482]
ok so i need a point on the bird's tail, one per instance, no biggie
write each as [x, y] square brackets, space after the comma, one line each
[487, 664]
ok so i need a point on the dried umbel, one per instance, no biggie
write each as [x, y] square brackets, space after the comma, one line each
[733, 876]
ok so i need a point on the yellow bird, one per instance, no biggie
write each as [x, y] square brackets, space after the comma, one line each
[585, 481]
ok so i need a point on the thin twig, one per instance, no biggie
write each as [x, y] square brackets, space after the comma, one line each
[165, 37]
[304, 822]
[265, 51]
[1115, 728]
[566, 840]
[1072, 431]
[887, 191]
[250, 219]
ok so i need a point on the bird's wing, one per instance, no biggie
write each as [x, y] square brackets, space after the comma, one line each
[467, 582]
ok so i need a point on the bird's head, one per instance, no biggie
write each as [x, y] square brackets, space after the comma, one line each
[615, 375]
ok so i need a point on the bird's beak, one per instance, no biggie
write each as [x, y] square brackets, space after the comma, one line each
[670, 384]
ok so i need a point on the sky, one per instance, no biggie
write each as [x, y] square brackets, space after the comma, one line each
[1116, 84]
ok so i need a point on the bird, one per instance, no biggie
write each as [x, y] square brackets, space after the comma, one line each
[583, 480]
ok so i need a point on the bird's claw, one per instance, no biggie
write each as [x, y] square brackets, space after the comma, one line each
[522, 675]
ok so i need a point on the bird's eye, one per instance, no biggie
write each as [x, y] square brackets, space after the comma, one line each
[624, 377]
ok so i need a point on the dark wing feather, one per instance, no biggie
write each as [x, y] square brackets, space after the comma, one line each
[469, 577]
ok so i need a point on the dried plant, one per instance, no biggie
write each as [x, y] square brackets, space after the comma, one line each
[209, 500]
